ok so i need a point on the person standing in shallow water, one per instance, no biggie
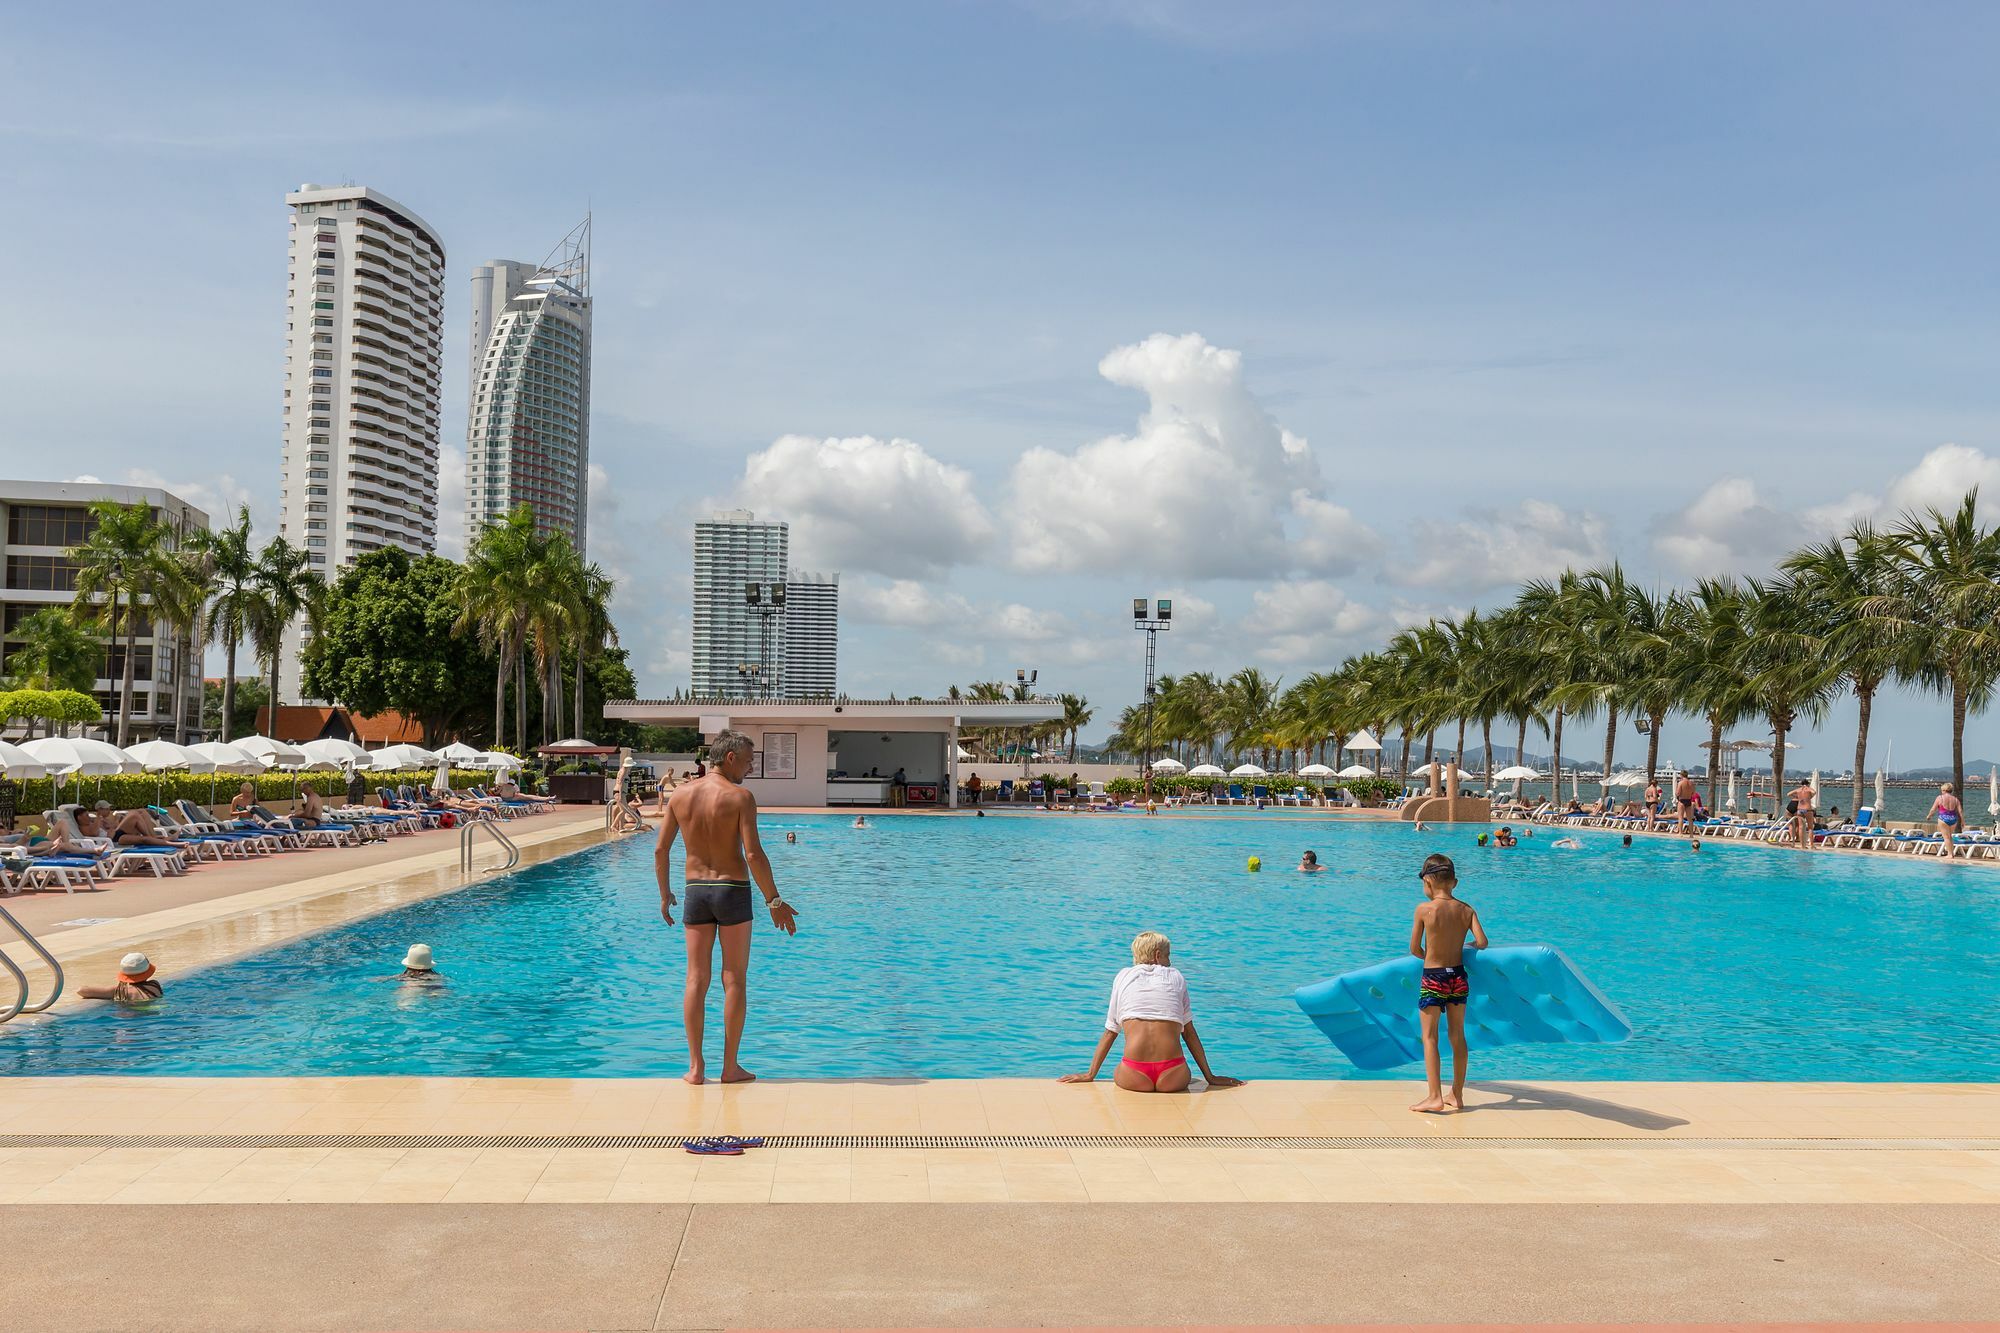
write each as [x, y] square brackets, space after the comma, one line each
[719, 818]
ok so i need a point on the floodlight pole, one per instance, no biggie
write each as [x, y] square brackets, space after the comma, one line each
[1151, 620]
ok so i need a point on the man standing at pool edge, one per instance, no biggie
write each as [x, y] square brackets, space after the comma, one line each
[723, 853]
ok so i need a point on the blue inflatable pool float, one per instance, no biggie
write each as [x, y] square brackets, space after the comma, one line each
[1520, 993]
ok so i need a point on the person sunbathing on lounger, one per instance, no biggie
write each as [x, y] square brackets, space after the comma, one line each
[134, 828]
[1150, 1009]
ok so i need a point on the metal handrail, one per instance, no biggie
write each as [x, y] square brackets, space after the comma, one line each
[21, 1005]
[491, 824]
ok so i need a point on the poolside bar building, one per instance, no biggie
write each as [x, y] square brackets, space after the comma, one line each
[823, 753]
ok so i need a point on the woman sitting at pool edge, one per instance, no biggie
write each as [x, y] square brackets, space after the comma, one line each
[1149, 1007]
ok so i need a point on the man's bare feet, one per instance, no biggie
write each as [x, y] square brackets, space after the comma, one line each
[1453, 1102]
[738, 1074]
[1430, 1106]
[694, 1075]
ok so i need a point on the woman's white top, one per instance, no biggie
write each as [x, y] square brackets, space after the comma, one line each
[1149, 991]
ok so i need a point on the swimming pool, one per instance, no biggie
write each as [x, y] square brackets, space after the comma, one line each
[956, 948]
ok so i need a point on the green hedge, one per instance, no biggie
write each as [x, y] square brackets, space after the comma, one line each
[126, 790]
[1177, 783]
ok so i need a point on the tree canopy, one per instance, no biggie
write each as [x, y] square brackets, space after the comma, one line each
[385, 643]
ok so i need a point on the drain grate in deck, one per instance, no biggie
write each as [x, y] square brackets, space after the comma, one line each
[865, 1141]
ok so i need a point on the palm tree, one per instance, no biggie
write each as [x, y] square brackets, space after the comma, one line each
[288, 588]
[125, 563]
[1654, 625]
[1708, 665]
[1076, 715]
[1840, 578]
[238, 608]
[185, 606]
[55, 653]
[496, 594]
[1248, 701]
[1786, 669]
[1940, 612]
[1545, 609]
[594, 627]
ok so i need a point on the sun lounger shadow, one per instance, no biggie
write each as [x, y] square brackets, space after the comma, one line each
[1528, 1097]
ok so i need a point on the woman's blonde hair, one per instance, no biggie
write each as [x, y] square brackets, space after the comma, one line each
[1149, 946]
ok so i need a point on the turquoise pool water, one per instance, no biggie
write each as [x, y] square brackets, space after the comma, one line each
[964, 947]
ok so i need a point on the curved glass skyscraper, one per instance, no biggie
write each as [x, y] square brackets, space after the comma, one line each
[527, 438]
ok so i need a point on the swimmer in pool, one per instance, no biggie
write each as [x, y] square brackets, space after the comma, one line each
[1567, 844]
[861, 821]
[1505, 837]
[135, 984]
[419, 968]
[791, 837]
[1309, 864]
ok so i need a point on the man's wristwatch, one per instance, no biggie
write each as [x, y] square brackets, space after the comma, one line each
[778, 901]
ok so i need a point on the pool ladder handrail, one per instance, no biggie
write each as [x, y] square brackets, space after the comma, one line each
[487, 820]
[21, 1005]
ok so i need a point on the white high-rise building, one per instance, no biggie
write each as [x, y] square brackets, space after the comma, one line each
[527, 438]
[812, 636]
[364, 332]
[731, 551]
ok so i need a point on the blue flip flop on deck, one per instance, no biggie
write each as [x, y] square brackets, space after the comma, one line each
[1520, 993]
[724, 1145]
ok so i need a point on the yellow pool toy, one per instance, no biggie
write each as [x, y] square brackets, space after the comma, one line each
[1256, 864]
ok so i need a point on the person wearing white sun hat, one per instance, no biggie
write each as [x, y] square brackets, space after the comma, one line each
[418, 965]
[135, 984]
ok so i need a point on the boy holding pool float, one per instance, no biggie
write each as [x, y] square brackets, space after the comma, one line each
[1438, 937]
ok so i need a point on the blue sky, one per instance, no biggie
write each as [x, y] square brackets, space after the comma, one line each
[1318, 317]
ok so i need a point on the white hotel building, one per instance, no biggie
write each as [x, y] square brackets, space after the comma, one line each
[364, 329]
[528, 428]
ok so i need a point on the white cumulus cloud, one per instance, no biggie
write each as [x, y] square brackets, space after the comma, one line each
[1207, 486]
[1309, 621]
[1493, 548]
[863, 503]
[903, 604]
[1731, 527]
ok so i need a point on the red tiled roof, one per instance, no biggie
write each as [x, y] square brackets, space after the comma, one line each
[297, 723]
[387, 729]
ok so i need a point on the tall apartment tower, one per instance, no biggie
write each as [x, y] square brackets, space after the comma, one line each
[812, 635]
[731, 550]
[364, 331]
[527, 438]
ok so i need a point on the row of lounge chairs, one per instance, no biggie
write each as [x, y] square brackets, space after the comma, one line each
[1862, 833]
[191, 834]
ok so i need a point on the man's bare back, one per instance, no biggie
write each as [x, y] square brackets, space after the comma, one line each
[712, 816]
[1445, 923]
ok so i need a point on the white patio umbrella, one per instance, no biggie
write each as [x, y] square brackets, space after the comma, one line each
[1248, 771]
[499, 759]
[339, 753]
[1356, 771]
[278, 754]
[1169, 766]
[1626, 780]
[159, 756]
[573, 743]
[1515, 773]
[1206, 771]
[1362, 741]
[458, 752]
[1316, 771]
[1730, 804]
[1813, 782]
[1881, 809]
[1993, 791]
[75, 756]
[963, 755]
[18, 763]
[225, 757]
[442, 782]
[401, 756]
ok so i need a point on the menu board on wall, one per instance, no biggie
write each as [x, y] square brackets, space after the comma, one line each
[781, 754]
[756, 764]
